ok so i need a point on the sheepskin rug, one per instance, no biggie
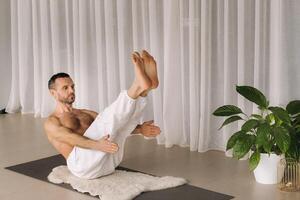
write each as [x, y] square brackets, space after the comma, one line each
[120, 185]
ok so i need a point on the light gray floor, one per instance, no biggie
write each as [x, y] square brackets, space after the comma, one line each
[22, 139]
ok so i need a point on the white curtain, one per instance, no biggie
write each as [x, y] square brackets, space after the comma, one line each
[203, 49]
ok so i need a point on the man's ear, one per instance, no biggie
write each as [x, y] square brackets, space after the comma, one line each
[52, 92]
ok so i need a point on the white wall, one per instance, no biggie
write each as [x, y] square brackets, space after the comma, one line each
[5, 52]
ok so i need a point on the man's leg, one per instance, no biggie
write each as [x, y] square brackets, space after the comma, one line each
[146, 79]
[125, 131]
[89, 163]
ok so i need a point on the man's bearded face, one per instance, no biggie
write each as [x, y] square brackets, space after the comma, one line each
[64, 90]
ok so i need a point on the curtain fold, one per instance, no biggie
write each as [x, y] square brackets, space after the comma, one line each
[203, 48]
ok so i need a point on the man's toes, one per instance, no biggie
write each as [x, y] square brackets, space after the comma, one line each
[137, 59]
[134, 57]
[137, 54]
[146, 55]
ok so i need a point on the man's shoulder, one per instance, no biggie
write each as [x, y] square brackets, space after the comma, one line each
[85, 110]
[51, 120]
[89, 112]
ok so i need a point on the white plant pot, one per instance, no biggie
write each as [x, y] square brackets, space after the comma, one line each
[266, 171]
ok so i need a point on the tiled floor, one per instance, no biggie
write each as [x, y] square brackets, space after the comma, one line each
[22, 139]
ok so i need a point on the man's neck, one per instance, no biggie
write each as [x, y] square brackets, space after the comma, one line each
[63, 107]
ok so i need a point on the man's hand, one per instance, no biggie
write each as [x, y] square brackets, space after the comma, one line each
[148, 129]
[107, 146]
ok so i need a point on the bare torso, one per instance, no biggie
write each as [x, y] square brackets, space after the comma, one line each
[77, 121]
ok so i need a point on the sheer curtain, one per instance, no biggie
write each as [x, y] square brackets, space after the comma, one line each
[203, 49]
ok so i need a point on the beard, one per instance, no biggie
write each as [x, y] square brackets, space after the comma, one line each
[68, 100]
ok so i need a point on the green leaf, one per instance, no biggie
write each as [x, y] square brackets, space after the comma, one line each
[293, 107]
[263, 137]
[250, 124]
[230, 120]
[243, 145]
[282, 138]
[281, 113]
[253, 94]
[270, 118]
[254, 160]
[297, 120]
[293, 151]
[297, 127]
[263, 131]
[268, 146]
[257, 116]
[227, 110]
[232, 140]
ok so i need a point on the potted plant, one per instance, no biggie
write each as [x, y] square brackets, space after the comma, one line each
[289, 167]
[293, 108]
[265, 134]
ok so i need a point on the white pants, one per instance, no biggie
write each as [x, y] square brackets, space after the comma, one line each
[118, 120]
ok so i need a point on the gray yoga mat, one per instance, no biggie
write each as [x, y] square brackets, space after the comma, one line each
[40, 169]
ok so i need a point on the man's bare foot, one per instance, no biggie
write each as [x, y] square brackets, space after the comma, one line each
[150, 68]
[141, 81]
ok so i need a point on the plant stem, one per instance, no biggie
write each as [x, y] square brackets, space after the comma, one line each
[246, 116]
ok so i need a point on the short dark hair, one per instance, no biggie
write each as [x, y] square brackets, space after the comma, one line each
[56, 76]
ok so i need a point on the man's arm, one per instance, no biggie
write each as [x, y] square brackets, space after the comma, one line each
[137, 130]
[62, 134]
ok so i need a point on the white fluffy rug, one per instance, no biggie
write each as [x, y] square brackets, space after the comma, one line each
[121, 185]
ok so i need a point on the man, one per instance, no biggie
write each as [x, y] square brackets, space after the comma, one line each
[93, 144]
